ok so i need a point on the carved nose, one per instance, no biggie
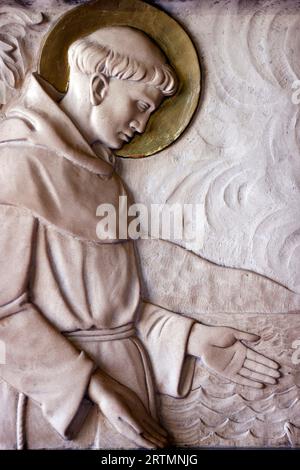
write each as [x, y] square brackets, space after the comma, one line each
[138, 126]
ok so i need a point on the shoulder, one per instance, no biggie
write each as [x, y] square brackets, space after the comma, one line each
[52, 188]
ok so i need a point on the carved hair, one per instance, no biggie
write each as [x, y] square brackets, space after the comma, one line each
[89, 57]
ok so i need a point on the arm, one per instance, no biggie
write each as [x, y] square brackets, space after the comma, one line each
[174, 342]
[165, 335]
[125, 411]
[40, 361]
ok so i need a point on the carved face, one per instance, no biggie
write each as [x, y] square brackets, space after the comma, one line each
[124, 108]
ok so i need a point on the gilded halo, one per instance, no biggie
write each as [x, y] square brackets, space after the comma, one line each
[175, 113]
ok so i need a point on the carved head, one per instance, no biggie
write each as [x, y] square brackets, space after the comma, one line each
[119, 77]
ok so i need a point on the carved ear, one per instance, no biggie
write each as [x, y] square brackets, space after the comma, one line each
[98, 88]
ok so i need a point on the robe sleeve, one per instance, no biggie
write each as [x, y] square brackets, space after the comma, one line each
[165, 335]
[37, 360]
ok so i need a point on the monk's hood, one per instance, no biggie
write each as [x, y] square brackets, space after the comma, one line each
[38, 120]
[48, 168]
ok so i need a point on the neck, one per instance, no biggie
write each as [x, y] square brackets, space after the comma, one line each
[78, 110]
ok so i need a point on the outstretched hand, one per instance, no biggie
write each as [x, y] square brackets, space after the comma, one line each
[221, 350]
[125, 411]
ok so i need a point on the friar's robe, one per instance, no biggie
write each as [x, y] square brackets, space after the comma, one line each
[69, 302]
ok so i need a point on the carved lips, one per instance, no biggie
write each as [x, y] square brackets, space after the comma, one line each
[126, 137]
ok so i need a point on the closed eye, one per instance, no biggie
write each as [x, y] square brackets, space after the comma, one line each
[143, 106]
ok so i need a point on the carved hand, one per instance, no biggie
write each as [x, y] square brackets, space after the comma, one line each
[125, 411]
[221, 350]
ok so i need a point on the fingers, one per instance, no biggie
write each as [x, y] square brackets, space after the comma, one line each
[257, 376]
[257, 370]
[257, 367]
[150, 429]
[254, 356]
[145, 417]
[149, 425]
[245, 336]
[146, 428]
[244, 381]
[156, 426]
[131, 421]
[156, 442]
[141, 441]
[127, 431]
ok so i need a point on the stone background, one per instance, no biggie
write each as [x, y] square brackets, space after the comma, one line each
[240, 158]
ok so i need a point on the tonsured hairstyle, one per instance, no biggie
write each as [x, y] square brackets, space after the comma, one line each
[89, 57]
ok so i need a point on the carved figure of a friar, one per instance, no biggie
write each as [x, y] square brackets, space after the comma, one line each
[80, 342]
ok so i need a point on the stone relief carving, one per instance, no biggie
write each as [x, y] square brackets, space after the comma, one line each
[59, 254]
[14, 25]
[247, 125]
[246, 173]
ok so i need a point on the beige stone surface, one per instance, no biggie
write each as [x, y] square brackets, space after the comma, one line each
[240, 158]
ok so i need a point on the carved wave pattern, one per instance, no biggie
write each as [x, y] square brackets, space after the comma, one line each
[240, 158]
[248, 139]
[210, 417]
[220, 412]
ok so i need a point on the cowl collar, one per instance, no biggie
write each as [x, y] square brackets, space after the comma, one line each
[47, 125]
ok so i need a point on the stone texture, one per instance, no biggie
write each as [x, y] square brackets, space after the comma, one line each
[240, 157]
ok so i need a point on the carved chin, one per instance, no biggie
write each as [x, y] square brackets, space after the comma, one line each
[117, 146]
